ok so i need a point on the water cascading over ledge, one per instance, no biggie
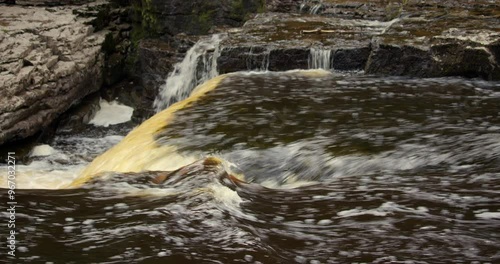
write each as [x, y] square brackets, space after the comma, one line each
[198, 66]
[320, 59]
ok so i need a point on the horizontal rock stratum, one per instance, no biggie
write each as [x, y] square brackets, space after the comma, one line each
[420, 38]
[425, 42]
[49, 60]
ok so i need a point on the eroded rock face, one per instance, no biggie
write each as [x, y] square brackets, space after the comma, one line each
[49, 60]
[171, 17]
[424, 40]
[277, 42]
[458, 43]
[51, 2]
[284, 6]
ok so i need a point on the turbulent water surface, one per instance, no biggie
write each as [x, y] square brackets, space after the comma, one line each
[338, 169]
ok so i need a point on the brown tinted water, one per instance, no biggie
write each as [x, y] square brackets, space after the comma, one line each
[339, 169]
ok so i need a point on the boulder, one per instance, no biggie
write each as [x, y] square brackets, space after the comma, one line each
[49, 60]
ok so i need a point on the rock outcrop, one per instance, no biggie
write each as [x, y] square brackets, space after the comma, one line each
[423, 40]
[51, 2]
[429, 46]
[50, 58]
[53, 54]
[284, 6]
[276, 42]
[171, 17]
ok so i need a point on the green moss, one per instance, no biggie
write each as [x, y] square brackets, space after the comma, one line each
[145, 18]
[149, 20]
[237, 10]
[136, 35]
[262, 6]
[145, 25]
[206, 20]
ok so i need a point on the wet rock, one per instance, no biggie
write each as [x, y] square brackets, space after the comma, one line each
[350, 59]
[284, 6]
[288, 59]
[426, 40]
[156, 60]
[436, 44]
[49, 60]
[75, 119]
[280, 42]
[371, 10]
[172, 17]
[51, 2]
[404, 60]
[242, 58]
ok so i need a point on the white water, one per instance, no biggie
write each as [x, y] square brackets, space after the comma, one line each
[42, 151]
[56, 166]
[315, 9]
[255, 65]
[320, 59]
[187, 74]
[112, 113]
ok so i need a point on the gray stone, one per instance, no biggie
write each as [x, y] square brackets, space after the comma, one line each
[52, 60]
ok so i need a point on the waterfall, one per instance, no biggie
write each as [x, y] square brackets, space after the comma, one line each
[302, 7]
[315, 9]
[198, 66]
[320, 59]
[258, 59]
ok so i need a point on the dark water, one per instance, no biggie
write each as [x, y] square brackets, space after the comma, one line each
[340, 169]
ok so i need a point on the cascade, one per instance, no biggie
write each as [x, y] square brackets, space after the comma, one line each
[258, 60]
[198, 66]
[315, 9]
[139, 150]
[320, 59]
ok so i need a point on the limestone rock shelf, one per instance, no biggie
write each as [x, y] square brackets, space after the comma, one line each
[421, 44]
[49, 59]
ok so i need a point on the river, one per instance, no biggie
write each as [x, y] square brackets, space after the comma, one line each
[292, 167]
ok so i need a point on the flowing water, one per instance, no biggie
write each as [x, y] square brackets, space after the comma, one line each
[320, 59]
[198, 66]
[336, 169]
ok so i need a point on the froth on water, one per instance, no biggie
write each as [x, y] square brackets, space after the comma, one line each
[303, 166]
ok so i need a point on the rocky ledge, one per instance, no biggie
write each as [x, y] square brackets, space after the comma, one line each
[430, 41]
[50, 58]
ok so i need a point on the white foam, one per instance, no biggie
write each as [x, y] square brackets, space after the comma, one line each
[325, 222]
[112, 113]
[185, 76]
[225, 195]
[40, 175]
[42, 151]
[356, 212]
[385, 209]
[488, 215]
